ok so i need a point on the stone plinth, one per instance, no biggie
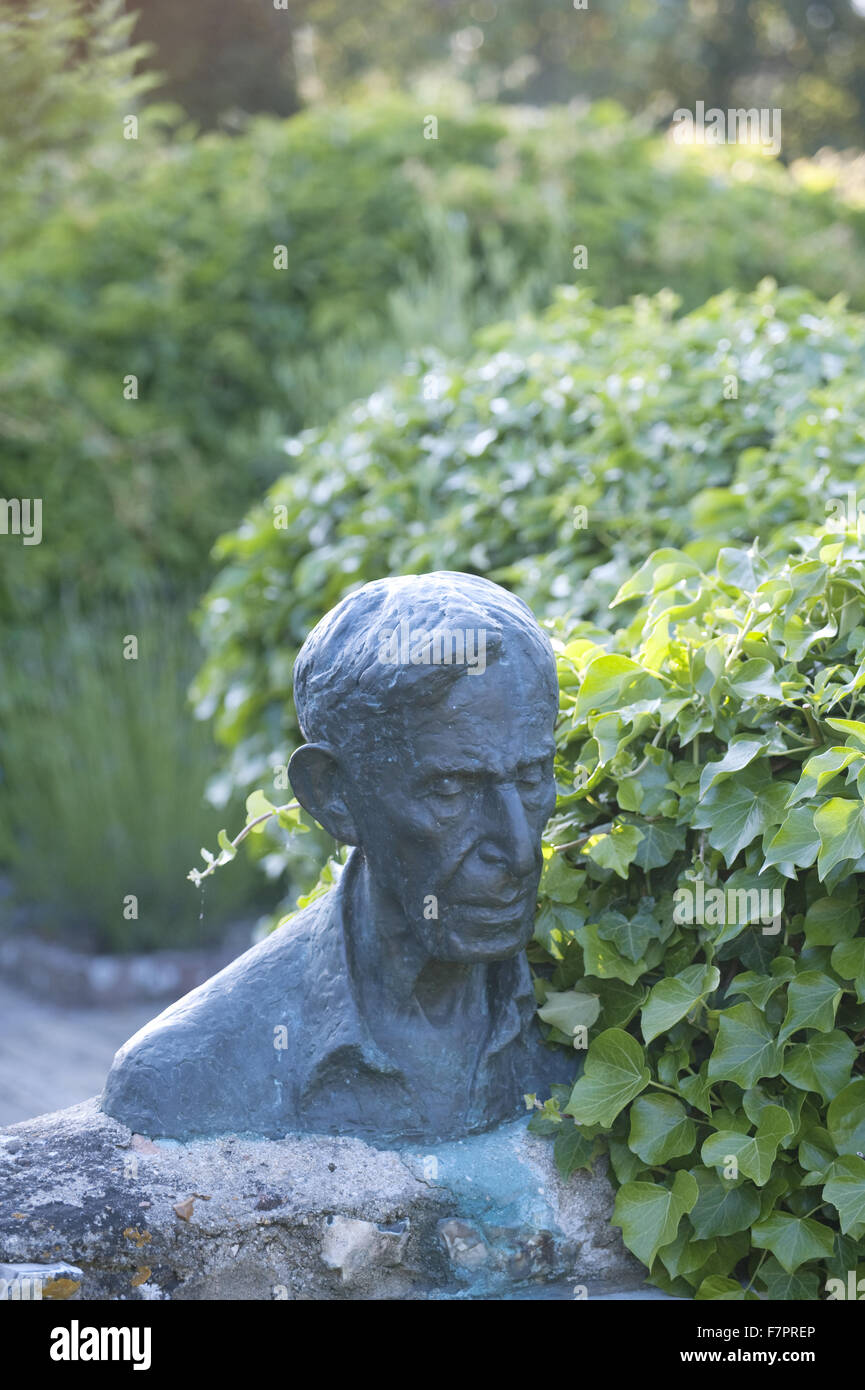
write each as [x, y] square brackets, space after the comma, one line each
[305, 1217]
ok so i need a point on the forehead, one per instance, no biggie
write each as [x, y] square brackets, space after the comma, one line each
[499, 719]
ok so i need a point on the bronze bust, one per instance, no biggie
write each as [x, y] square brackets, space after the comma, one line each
[398, 1006]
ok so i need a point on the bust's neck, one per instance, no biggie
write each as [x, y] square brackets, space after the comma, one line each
[393, 973]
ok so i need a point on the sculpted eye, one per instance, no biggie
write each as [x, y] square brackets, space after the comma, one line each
[532, 776]
[446, 786]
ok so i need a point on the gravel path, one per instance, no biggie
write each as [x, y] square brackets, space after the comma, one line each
[51, 1057]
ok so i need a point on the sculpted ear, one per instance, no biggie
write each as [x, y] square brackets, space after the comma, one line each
[316, 780]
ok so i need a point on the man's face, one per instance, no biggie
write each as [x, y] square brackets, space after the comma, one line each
[451, 805]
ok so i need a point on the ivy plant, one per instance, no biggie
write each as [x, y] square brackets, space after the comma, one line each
[701, 909]
[554, 461]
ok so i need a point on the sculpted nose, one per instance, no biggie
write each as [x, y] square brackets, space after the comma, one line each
[510, 840]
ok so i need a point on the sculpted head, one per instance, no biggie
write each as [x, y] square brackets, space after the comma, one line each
[428, 704]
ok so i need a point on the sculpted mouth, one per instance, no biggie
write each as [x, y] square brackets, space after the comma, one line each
[499, 904]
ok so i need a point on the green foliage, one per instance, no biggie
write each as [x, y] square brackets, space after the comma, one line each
[101, 768]
[159, 264]
[655, 57]
[720, 727]
[68, 76]
[483, 466]
[153, 258]
[259, 813]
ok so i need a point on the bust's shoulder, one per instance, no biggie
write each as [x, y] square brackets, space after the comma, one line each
[183, 1066]
[270, 970]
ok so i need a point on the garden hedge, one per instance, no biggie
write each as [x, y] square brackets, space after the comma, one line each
[153, 258]
[741, 418]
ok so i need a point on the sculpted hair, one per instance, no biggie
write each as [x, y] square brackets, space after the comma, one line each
[340, 677]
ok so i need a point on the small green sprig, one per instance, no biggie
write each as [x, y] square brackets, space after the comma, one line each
[259, 811]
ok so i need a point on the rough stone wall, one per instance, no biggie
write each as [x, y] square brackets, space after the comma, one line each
[305, 1217]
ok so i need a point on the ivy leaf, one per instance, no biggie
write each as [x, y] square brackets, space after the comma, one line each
[291, 819]
[738, 755]
[816, 1151]
[830, 920]
[760, 988]
[723, 1207]
[798, 1287]
[735, 812]
[796, 840]
[660, 1129]
[572, 1150]
[754, 1154]
[228, 849]
[615, 1072]
[669, 1000]
[852, 728]
[603, 960]
[812, 1001]
[736, 567]
[649, 793]
[820, 770]
[846, 1255]
[545, 1124]
[848, 960]
[792, 1239]
[755, 678]
[555, 926]
[615, 850]
[745, 1049]
[257, 804]
[629, 935]
[619, 1001]
[720, 1289]
[685, 1254]
[696, 1090]
[822, 1063]
[649, 1214]
[845, 1118]
[625, 1163]
[846, 1191]
[774, 1066]
[602, 682]
[662, 569]
[561, 882]
[661, 841]
[757, 1101]
[841, 827]
[569, 1010]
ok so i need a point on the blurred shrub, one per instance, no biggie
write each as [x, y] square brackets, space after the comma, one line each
[69, 75]
[807, 58]
[153, 258]
[101, 768]
[628, 413]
